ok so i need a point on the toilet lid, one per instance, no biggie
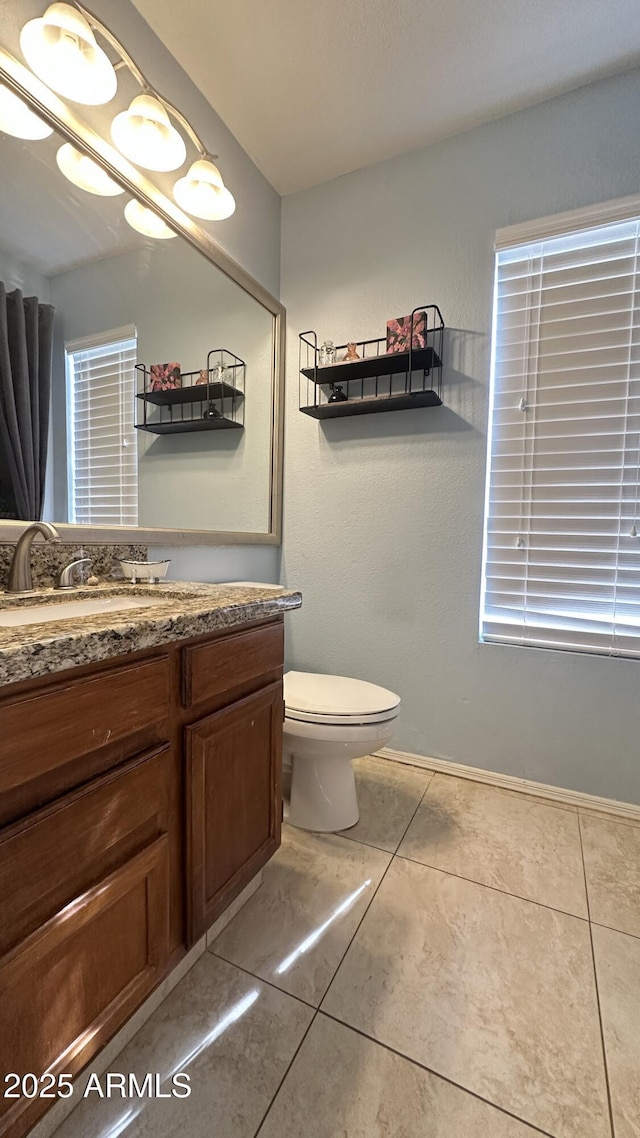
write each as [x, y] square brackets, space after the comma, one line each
[310, 696]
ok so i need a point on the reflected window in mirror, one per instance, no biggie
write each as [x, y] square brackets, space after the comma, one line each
[102, 450]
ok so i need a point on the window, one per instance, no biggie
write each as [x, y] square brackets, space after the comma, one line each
[562, 546]
[103, 459]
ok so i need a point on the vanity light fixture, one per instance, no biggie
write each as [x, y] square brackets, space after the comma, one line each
[144, 134]
[85, 173]
[147, 222]
[18, 119]
[203, 193]
[61, 49]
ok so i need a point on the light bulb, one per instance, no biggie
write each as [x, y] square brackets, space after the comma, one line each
[85, 173]
[203, 193]
[145, 136]
[146, 221]
[18, 119]
[62, 50]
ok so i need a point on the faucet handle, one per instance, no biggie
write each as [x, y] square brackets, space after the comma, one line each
[65, 577]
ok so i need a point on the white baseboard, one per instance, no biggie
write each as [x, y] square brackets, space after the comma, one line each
[575, 798]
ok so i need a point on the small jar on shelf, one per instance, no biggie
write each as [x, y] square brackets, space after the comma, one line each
[326, 354]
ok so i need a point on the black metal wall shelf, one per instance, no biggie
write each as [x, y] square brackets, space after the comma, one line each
[189, 426]
[379, 380]
[371, 404]
[391, 363]
[214, 405]
[190, 394]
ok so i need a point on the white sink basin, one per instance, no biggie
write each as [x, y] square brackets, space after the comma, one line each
[70, 610]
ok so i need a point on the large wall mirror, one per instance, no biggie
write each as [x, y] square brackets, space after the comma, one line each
[162, 409]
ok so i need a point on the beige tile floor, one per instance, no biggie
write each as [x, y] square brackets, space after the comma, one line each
[463, 963]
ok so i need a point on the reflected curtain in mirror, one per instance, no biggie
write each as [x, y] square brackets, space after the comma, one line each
[26, 344]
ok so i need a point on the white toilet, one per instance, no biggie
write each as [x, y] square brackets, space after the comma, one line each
[330, 720]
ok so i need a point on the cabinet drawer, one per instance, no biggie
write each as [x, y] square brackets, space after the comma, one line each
[70, 985]
[57, 853]
[42, 737]
[231, 665]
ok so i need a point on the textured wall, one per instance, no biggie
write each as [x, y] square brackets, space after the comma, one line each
[383, 514]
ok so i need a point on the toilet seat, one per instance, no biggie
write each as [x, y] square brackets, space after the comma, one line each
[313, 698]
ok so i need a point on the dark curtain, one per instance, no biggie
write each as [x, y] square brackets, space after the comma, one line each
[26, 349]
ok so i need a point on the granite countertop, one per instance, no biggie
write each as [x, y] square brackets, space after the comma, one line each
[183, 610]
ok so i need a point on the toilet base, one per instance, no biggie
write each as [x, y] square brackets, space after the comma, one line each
[323, 794]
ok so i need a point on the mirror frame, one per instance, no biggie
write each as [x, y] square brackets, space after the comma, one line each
[65, 122]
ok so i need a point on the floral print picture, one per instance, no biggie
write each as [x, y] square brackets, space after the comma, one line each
[399, 331]
[165, 377]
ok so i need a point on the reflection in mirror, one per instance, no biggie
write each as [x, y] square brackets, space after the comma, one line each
[136, 387]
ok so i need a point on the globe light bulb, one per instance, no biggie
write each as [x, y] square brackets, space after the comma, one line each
[203, 193]
[145, 221]
[144, 134]
[61, 49]
[85, 173]
[18, 119]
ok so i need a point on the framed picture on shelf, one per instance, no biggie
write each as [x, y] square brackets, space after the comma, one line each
[165, 377]
[399, 332]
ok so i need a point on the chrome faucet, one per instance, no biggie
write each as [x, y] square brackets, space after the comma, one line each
[20, 580]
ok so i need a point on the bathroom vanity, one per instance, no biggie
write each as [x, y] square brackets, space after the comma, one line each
[140, 755]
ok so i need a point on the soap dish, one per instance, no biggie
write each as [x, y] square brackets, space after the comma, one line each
[149, 572]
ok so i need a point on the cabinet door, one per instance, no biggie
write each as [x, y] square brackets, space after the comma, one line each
[67, 987]
[234, 761]
[87, 904]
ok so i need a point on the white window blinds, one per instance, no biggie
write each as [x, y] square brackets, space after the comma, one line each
[562, 551]
[103, 462]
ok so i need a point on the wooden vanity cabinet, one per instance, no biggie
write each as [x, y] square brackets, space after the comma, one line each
[138, 796]
[234, 760]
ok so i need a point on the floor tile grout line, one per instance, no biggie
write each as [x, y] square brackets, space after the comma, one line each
[393, 852]
[494, 888]
[611, 929]
[391, 856]
[406, 829]
[597, 988]
[356, 931]
[360, 842]
[373, 897]
[289, 1066]
[315, 1007]
[436, 1074]
[605, 816]
[261, 979]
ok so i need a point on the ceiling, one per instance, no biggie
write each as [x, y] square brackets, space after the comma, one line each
[313, 89]
[48, 223]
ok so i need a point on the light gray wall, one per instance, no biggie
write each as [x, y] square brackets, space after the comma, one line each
[383, 514]
[182, 306]
[15, 273]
